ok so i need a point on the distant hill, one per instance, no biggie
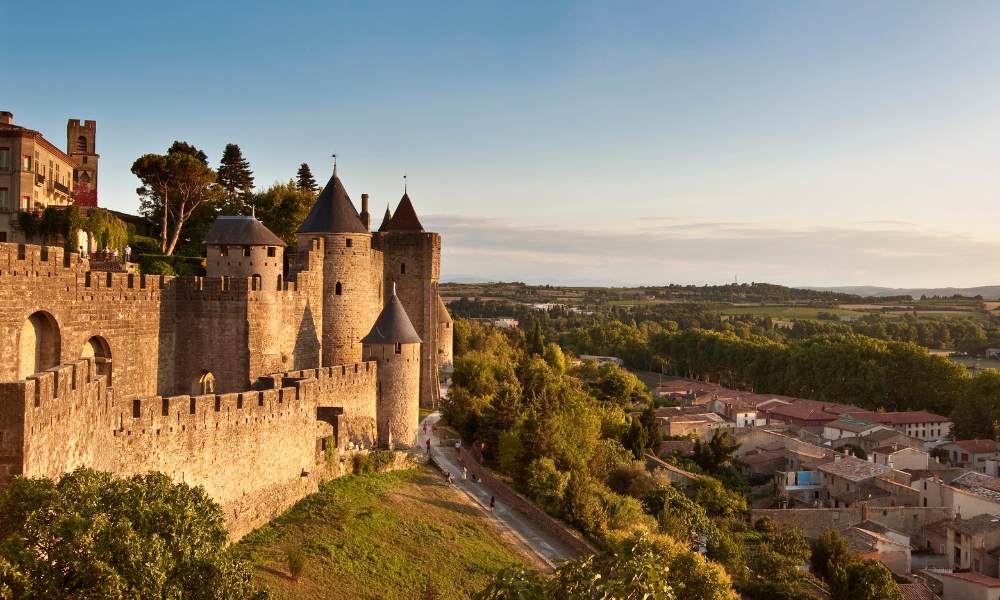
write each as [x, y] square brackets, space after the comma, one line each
[988, 292]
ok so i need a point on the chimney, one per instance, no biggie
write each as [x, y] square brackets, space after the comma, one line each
[366, 218]
[6, 117]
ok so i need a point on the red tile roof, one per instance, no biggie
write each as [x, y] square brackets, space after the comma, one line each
[903, 418]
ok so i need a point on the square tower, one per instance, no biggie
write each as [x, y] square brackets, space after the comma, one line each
[81, 145]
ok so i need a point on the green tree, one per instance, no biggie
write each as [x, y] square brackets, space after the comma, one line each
[174, 186]
[236, 180]
[829, 553]
[546, 484]
[978, 409]
[305, 181]
[282, 207]
[91, 535]
[718, 453]
[864, 580]
[536, 341]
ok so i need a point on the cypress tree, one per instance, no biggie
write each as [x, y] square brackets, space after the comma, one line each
[235, 177]
[305, 180]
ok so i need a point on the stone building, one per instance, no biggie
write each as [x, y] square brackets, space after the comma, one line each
[239, 381]
[34, 174]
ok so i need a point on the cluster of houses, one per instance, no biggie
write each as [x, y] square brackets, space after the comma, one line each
[896, 485]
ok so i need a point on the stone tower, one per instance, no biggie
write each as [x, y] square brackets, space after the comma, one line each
[412, 261]
[242, 246]
[81, 145]
[352, 272]
[394, 344]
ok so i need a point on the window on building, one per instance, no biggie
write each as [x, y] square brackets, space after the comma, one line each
[338, 289]
[223, 250]
[26, 163]
[84, 160]
[81, 143]
[402, 268]
[4, 158]
[271, 251]
[3, 198]
[399, 348]
[246, 250]
[350, 242]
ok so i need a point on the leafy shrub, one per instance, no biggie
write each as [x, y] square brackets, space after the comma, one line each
[92, 535]
[373, 462]
[157, 267]
[296, 558]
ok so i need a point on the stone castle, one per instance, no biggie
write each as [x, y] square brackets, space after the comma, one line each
[245, 381]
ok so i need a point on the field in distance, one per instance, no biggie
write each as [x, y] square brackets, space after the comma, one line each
[403, 534]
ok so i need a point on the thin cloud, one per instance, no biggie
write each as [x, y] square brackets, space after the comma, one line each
[892, 253]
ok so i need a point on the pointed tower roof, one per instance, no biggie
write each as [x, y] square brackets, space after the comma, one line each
[405, 217]
[333, 212]
[392, 326]
[385, 219]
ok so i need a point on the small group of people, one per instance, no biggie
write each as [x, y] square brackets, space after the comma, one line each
[465, 470]
[109, 255]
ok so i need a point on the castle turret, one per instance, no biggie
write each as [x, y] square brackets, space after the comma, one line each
[241, 246]
[394, 344]
[445, 335]
[352, 272]
[413, 264]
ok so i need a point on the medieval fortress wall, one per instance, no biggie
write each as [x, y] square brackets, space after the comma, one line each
[237, 383]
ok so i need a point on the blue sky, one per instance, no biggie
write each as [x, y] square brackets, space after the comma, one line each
[801, 143]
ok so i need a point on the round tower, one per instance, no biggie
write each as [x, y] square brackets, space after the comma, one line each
[393, 343]
[352, 276]
[242, 246]
[445, 334]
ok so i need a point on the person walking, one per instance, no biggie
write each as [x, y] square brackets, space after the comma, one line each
[428, 446]
[465, 473]
[493, 503]
[128, 253]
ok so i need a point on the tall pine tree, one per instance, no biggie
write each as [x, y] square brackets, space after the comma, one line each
[236, 179]
[305, 181]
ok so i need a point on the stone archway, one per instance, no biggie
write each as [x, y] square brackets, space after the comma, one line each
[38, 345]
[98, 348]
[204, 384]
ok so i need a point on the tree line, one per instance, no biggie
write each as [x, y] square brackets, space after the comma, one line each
[569, 439]
[181, 195]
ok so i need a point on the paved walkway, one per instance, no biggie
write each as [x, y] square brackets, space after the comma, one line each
[550, 550]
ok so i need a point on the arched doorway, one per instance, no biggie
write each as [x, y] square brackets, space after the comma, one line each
[204, 384]
[38, 346]
[97, 348]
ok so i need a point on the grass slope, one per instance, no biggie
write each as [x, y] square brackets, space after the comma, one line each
[387, 535]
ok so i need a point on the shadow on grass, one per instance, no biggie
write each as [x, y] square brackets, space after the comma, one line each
[275, 572]
[446, 504]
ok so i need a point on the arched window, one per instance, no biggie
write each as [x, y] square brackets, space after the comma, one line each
[81, 143]
[97, 348]
[350, 242]
[279, 283]
[402, 268]
[338, 289]
[39, 344]
[256, 280]
[204, 384]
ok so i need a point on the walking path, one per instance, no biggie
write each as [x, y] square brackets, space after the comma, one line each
[551, 550]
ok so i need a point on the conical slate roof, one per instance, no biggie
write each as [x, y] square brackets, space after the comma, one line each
[392, 326]
[333, 212]
[240, 230]
[385, 219]
[405, 218]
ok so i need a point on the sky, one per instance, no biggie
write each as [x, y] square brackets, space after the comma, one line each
[608, 143]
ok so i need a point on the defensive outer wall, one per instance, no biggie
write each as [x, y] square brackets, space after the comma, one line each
[67, 417]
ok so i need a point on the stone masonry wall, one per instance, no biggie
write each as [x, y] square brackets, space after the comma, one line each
[349, 315]
[413, 262]
[255, 452]
[814, 521]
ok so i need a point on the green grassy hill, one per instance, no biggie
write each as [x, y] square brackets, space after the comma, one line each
[404, 534]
